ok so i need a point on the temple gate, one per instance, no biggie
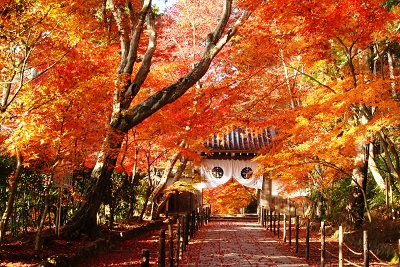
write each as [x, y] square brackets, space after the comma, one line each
[231, 157]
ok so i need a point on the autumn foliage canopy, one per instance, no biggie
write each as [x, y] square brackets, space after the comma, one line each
[323, 74]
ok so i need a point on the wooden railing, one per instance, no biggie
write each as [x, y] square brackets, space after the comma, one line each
[181, 228]
[282, 223]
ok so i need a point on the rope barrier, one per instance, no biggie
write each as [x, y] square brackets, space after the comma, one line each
[333, 255]
[378, 259]
[352, 263]
[346, 260]
[358, 253]
[352, 251]
[381, 263]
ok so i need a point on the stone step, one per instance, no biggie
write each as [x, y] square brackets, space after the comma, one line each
[236, 217]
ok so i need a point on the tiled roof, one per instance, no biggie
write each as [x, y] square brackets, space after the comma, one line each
[240, 140]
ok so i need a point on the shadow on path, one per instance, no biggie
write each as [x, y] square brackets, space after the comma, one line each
[236, 243]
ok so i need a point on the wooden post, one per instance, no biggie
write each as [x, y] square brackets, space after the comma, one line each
[279, 223]
[322, 244]
[170, 245]
[187, 228]
[197, 219]
[366, 248]
[202, 217]
[264, 219]
[270, 220]
[208, 214]
[178, 241]
[145, 258]
[184, 232]
[308, 239]
[297, 234]
[284, 228]
[193, 228]
[340, 246]
[274, 218]
[161, 249]
[181, 236]
[189, 225]
[290, 230]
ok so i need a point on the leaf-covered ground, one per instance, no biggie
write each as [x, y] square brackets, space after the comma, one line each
[19, 251]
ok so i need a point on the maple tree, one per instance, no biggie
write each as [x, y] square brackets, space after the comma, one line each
[40, 117]
[329, 92]
[192, 118]
[332, 106]
[65, 136]
[128, 111]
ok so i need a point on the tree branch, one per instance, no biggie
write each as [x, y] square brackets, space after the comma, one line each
[172, 92]
[312, 78]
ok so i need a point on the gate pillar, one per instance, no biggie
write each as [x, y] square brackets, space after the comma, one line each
[265, 194]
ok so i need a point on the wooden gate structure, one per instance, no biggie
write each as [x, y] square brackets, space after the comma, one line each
[243, 144]
[240, 145]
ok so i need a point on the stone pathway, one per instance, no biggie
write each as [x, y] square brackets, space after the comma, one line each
[237, 243]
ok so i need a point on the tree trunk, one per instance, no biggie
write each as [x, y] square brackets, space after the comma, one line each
[358, 203]
[362, 115]
[392, 158]
[132, 182]
[146, 200]
[391, 72]
[38, 239]
[84, 220]
[287, 79]
[157, 206]
[124, 117]
[11, 198]
[374, 169]
[150, 200]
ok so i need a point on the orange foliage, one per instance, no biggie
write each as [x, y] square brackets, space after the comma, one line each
[228, 198]
[294, 59]
[60, 95]
[288, 67]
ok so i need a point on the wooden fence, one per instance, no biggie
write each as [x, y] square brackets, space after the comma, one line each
[181, 227]
[282, 225]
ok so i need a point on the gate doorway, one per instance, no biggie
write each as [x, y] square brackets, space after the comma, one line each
[231, 198]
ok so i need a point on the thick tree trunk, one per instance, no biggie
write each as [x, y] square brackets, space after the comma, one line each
[11, 198]
[84, 219]
[124, 117]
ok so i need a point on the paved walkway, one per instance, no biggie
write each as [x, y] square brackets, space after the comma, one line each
[237, 243]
